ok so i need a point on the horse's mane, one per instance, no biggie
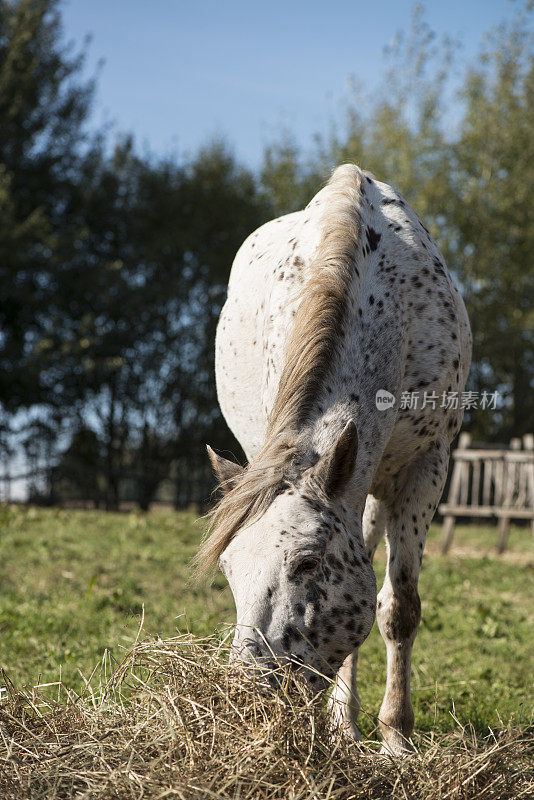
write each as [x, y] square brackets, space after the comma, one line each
[317, 332]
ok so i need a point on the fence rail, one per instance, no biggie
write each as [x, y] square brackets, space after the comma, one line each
[490, 482]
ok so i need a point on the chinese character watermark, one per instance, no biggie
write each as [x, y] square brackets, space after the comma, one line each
[418, 401]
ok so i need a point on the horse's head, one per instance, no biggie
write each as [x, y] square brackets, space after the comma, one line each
[304, 589]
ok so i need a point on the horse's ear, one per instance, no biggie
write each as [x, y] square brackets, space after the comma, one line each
[334, 469]
[225, 470]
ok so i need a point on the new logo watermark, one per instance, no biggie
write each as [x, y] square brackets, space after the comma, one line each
[384, 400]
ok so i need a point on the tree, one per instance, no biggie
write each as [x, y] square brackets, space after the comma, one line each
[287, 182]
[131, 351]
[79, 474]
[108, 345]
[43, 106]
[493, 218]
[221, 206]
[472, 186]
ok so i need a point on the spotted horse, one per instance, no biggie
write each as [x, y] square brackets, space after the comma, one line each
[326, 308]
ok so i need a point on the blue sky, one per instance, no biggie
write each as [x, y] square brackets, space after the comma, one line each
[179, 72]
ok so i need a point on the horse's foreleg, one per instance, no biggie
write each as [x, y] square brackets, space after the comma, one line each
[398, 604]
[344, 702]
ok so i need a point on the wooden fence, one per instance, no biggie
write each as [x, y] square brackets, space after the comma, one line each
[493, 482]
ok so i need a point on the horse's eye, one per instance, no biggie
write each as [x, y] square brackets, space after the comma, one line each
[307, 564]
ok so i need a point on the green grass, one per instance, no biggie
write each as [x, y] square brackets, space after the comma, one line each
[73, 584]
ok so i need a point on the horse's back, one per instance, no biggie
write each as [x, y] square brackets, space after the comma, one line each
[266, 274]
[406, 327]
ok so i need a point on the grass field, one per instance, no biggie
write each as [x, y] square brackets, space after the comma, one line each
[73, 585]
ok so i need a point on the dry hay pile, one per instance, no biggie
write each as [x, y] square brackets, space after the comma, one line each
[173, 722]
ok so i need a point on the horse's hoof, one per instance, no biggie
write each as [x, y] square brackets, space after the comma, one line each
[397, 746]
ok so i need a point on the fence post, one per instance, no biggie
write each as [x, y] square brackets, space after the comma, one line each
[508, 494]
[454, 493]
[528, 445]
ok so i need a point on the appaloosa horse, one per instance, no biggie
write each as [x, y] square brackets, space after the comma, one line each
[328, 309]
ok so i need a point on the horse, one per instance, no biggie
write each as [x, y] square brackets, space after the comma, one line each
[340, 350]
